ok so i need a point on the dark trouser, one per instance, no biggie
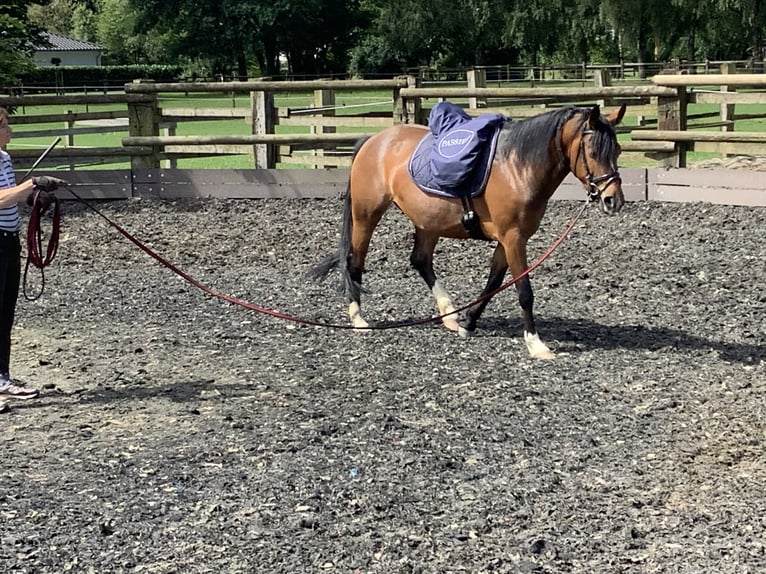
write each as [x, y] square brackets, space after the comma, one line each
[10, 277]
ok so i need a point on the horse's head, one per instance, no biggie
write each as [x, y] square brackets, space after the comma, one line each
[591, 151]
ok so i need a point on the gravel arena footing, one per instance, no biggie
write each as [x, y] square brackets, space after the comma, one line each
[176, 432]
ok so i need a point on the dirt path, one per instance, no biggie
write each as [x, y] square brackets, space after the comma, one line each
[178, 433]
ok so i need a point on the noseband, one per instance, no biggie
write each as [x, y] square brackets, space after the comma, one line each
[598, 184]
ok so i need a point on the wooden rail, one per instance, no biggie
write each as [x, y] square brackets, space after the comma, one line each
[313, 140]
[45, 100]
[684, 81]
[263, 86]
[557, 94]
[687, 136]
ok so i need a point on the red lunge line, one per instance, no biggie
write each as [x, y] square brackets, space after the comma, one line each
[278, 315]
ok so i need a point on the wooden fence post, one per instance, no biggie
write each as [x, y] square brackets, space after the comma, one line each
[143, 119]
[70, 134]
[325, 101]
[408, 110]
[671, 115]
[263, 121]
[477, 79]
[399, 106]
[170, 130]
[414, 107]
[603, 79]
[727, 110]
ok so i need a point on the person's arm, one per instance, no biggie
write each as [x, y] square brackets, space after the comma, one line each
[12, 195]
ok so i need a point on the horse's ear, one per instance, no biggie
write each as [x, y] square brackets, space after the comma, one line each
[593, 117]
[616, 116]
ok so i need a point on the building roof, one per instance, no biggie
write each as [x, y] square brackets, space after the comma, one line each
[62, 43]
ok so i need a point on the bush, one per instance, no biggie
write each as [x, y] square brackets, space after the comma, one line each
[74, 76]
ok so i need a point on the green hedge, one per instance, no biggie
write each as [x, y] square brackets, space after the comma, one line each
[74, 76]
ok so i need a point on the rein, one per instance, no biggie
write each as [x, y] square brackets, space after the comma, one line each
[35, 240]
[252, 307]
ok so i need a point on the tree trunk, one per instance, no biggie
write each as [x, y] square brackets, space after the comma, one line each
[241, 65]
[641, 47]
[271, 57]
[756, 40]
[691, 50]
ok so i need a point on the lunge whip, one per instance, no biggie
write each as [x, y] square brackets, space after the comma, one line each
[41, 158]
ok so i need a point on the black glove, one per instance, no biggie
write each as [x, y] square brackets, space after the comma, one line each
[47, 183]
[44, 199]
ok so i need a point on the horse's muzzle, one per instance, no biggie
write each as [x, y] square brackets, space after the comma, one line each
[612, 203]
[607, 189]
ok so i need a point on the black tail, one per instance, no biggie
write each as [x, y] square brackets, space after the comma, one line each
[351, 288]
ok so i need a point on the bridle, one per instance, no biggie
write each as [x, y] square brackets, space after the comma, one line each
[596, 185]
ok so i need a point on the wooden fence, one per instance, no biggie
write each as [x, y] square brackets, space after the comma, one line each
[321, 133]
[664, 133]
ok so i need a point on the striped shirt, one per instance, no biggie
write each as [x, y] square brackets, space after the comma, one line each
[9, 216]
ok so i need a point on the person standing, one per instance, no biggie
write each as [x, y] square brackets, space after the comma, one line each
[11, 194]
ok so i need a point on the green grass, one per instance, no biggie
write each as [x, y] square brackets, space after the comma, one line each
[348, 103]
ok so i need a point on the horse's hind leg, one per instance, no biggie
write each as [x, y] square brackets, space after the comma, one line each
[422, 259]
[365, 220]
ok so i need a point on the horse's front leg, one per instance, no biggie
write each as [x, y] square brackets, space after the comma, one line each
[497, 270]
[422, 259]
[516, 255]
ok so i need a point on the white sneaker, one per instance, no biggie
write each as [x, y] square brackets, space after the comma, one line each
[10, 389]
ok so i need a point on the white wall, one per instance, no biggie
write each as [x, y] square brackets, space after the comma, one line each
[68, 58]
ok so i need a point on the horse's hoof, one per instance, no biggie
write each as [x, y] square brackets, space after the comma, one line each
[451, 324]
[357, 321]
[545, 355]
[537, 349]
[464, 333]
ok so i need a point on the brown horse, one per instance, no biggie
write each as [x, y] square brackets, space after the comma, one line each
[532, 158]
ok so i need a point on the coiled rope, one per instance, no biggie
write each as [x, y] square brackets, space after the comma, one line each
[36, 255]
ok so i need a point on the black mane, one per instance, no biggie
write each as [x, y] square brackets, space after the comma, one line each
[530, 138]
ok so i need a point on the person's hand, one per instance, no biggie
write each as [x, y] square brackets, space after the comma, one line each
[44, 199]
[47, 183]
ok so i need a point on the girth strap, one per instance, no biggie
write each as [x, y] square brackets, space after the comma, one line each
[470, 219]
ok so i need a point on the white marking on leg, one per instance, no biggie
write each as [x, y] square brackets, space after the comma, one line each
[446, 307]
[537, 349]
[355, 313]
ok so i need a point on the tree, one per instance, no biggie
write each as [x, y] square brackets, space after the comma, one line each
[633, 21]
[85, 23]
[17, 39]
[743, 20]
[534, 28]
[585, 36]
[54, 16]
[472, 32]
[115, 25]
[317, 35]
[401, 34]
